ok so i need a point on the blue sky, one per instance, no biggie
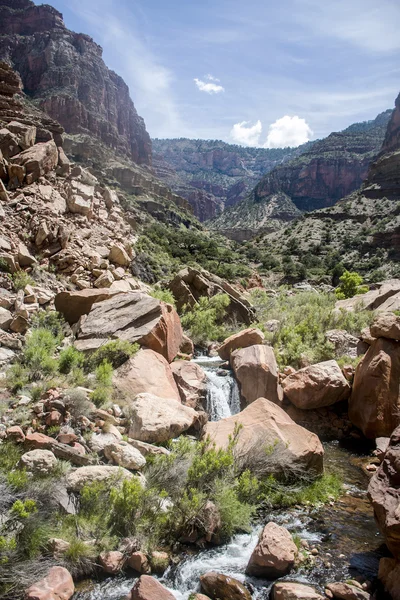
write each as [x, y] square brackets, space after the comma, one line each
[256, 72]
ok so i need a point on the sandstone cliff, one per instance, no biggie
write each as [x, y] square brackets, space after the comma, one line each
[319, 177]
[64, 74]
[214, 175]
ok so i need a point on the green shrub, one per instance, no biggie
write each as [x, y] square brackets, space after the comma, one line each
[21, 279]
[350, 285]
[163, 295]
[115, 352]
[70, 358]
[203, 320]
[103, 390]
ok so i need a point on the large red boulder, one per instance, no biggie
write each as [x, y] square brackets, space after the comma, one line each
[134, 317]
[146, 372]
[316, 386]
[256, 370]
[148, 588]
[57, 585]
[374, 405]
[275, 554]
[268, 438]
[243, 339]
[384, 494]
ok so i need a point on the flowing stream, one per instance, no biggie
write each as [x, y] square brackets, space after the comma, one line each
[345, 533]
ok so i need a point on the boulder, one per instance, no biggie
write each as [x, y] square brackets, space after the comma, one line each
[275, 554]
[269, 438]
[72, 305]
[384, 494]
[119, 256]
[218, 586]
[40, 462]
[316, 386]
[146, 372]
[156, 420]
[26, 134]
[345, 344]
[256, 370]
[243, 339]
[374, 405]
[25, 258]
[123, 454]
[57, 585]
[112, 562]
[146, 449]
[192, 383]
[386, 325]
[346, 591]
[6, 318]
[189, 285]
[389, 576]
[139, 563]
[382, 444]
[37, 160]
[134, 317]
[285, 590]
[148, 588]
[77, 479]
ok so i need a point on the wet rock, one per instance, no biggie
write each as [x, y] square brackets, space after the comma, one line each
[375, 400]
[346, 591]
[40, 462]
[386, 325]
[139, 563]
[112, 562]
[384, 494]
[76, 480]
[217, 586]
[389, 575]
[148, 588]
[275, 554]
[243, 339]
[57, 585]
[156, 420]
[146, 372]
[123, 454]
[192, 383]
[256, 370]
[269, 439]
[285, 590]
[316, 386]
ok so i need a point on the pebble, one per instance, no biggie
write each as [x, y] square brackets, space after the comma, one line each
[314, 551]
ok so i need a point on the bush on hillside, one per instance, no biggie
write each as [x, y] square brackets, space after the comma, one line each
[204, 320]
[350, 285]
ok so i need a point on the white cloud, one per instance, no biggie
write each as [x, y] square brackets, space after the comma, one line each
[288, 131]
[212, 78]
[245, 134]
[209, 88]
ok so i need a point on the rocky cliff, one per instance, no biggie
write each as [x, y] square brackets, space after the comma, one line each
[362, 230]
[64, 74]
[214, 175]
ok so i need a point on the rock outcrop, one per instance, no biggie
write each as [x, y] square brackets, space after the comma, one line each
[256, 370]
[191, 284]
[275, 554]
[375, 398]
[269, 439]
[64, 73]
[148, 588]
[192, 383]
[316, 386]
[134, 317]
[386, 325]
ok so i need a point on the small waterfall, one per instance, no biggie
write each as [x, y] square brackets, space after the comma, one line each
[223, 397]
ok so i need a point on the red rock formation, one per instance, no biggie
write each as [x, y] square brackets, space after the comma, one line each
[65, 74]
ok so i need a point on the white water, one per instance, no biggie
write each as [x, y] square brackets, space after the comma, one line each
[223, 397]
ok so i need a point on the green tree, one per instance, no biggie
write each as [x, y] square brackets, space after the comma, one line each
[350, 285]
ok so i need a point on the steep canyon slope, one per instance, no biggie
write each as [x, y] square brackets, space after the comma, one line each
[64, 74]
[321, 175]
